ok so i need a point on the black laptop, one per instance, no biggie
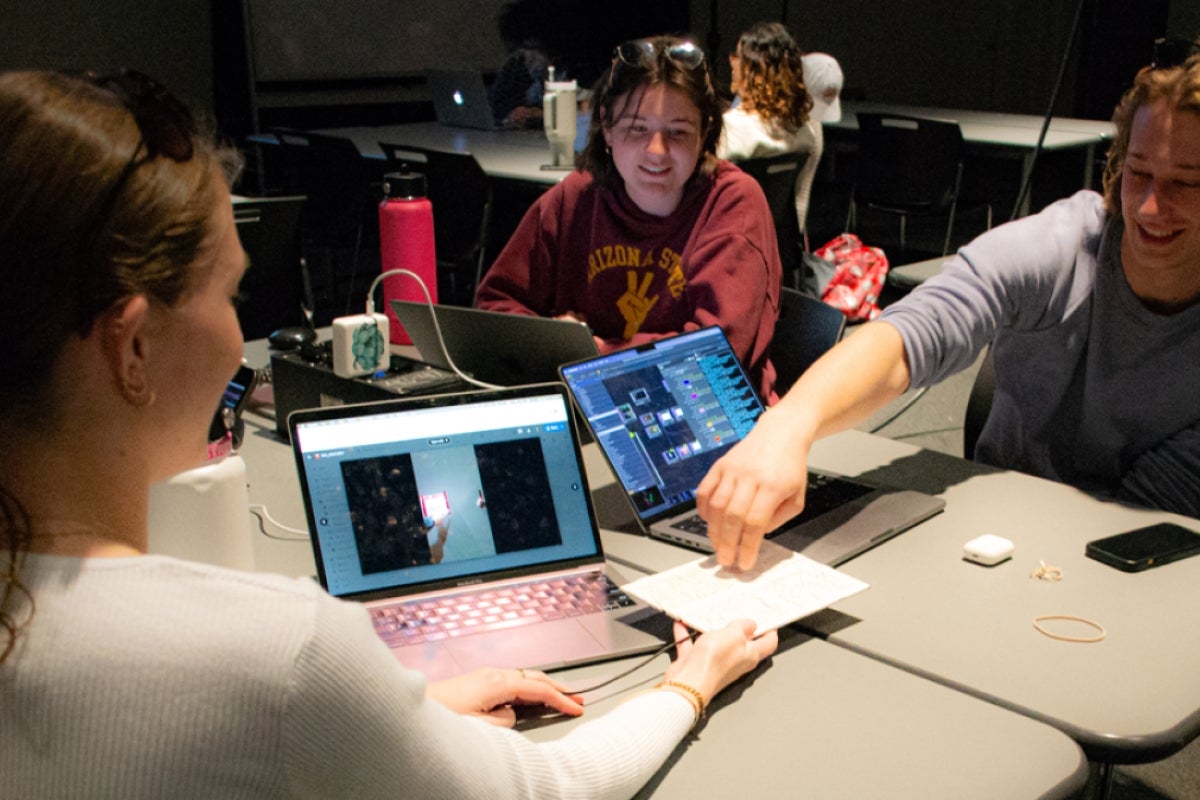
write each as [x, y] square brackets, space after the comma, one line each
[662, 413]
[494, 347]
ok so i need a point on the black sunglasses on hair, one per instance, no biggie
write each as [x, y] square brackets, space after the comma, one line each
[641, 52]
[166, 125]
[1172, 52]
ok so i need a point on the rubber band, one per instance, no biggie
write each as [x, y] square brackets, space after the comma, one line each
[1070, 618]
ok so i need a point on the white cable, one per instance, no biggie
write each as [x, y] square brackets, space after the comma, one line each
[433, 314]
[262, 515]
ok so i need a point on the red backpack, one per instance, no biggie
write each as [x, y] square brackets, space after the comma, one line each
[859, 272]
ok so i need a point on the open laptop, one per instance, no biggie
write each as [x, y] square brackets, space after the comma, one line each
[494, 347]
[662, 414]
[460, 98]
[464, 523]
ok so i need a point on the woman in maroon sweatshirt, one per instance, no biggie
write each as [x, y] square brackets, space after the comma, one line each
[654, 234]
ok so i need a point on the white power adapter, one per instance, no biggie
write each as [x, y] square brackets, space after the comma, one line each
[360, 345]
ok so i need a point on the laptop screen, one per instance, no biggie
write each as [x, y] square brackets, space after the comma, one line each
[439, 491]
[664, 412]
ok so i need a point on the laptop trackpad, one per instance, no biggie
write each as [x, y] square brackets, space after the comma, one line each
[551, 642]
[434, 660]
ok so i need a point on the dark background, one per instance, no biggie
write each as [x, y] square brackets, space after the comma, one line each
[1002, 55]
[256, 64]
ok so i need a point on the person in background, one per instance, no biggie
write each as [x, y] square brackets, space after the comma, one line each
[823, 77]
[516, 93]
[1092, 312]
[130, 675]
[654, 234]
[772, 115]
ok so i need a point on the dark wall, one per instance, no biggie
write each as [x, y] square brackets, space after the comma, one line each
[999, 55]
[1003, 55]
[169, 39]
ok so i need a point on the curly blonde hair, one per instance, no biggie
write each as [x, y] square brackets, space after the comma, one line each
[773, 76]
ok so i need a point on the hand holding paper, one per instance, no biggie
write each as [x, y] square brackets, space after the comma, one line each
[782, 587]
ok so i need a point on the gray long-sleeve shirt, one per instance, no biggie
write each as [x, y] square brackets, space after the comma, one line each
[1092, 388]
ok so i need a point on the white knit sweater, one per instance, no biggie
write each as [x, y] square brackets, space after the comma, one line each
[153, 677]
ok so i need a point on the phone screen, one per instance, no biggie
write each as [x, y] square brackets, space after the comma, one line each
[237, 393]
[1146, 547]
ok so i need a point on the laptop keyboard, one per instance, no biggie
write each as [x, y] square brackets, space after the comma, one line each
[467, 614]
[824, 493]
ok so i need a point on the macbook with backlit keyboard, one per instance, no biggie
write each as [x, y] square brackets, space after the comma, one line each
[464, 523]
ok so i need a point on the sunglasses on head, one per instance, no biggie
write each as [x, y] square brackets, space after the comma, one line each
[1172, 52]
[166, 126]
[642, 52]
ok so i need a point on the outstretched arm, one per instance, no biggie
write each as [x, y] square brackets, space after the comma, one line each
[759, 484]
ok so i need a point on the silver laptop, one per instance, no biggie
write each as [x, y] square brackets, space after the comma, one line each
[464, 523]
[490, 346]
[460, 98]
[662, 414]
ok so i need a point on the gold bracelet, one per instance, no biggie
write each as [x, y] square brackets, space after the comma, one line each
[692, 695]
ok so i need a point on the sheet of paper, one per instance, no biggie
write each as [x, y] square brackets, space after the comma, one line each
[782, 587]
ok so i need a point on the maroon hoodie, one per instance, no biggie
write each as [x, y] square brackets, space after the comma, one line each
[635, 277]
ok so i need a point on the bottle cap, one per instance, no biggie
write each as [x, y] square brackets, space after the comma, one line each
[400, 185]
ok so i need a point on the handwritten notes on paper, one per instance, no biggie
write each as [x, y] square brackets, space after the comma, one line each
[782, 587]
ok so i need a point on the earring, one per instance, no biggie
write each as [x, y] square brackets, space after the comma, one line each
[138, 394]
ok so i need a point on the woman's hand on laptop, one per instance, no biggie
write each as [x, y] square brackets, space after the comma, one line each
[754, 488]
[492, 694]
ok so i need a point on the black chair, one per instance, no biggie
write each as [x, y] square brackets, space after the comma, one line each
[339, 224]
[805, 330]
[461, 195]
[979, 404]
[908, 166]
[777, 175]
[275, 288]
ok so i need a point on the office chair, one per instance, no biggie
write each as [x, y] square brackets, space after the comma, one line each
[461, 195]
[979, 404]
[909, 166]
[777, 175]
[340, 221]
[275, 288]
[806, 328]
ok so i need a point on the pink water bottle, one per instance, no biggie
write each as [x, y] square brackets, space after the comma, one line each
[406, 242]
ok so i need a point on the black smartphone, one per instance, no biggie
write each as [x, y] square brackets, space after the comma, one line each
[229, 412]
[1143, 548]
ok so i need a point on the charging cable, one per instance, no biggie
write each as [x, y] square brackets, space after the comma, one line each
[433, 314]
[263, 516]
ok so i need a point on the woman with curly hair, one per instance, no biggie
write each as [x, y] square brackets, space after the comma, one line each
[772, 115]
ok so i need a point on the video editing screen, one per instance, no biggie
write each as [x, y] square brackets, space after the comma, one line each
[664, 414]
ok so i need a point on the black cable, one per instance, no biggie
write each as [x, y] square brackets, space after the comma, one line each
[1062, 69]
[635, 667]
